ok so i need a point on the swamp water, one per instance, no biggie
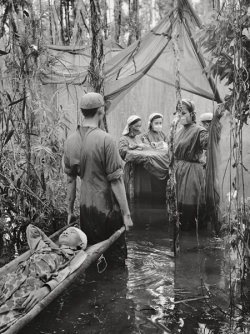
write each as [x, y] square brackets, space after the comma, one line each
[154, 293]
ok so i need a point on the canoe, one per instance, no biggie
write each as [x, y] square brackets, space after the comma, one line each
[80, 263]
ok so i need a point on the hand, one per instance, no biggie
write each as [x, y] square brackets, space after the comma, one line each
[132, 147]
[157, 145]
[160, 144]
[127, 221]
[35, 297]
[220, 110]
[142, 146]
[34, 231]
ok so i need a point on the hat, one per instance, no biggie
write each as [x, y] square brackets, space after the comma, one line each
[91, 101]
[130, 120]
[189, 104]
[154, 116]
[206, 117]
[82, 236]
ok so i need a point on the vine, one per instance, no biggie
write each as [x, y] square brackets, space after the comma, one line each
[227, 39]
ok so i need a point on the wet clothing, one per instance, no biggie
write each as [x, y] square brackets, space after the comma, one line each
[126, 142]
[190, 142]
[92, 154]
[41, 268]
[154, 137]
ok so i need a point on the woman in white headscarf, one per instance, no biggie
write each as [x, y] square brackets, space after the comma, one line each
[155, 137]
[190, 142]
[130, 139]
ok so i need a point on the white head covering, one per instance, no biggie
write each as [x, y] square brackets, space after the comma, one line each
[82, 236]
[207, 116]
[189, 103]
[153, 116]
[130, 120]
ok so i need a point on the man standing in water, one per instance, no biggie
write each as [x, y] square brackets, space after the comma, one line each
[91, 154]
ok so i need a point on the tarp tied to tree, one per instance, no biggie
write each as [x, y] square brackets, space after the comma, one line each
[151, 56]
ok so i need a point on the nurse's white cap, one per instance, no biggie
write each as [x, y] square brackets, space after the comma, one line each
[208, 116]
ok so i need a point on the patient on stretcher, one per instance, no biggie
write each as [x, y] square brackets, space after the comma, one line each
[34, 278]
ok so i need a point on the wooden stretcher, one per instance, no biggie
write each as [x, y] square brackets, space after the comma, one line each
[80, 263]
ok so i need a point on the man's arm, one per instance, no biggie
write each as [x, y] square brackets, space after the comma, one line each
[114, 175]
[37, 295]
[35, 235]
[71, 195]
[118, 189]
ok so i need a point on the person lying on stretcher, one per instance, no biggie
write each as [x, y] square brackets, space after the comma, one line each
[34, 278]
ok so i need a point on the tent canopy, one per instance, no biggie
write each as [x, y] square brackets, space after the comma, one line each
[152, 56]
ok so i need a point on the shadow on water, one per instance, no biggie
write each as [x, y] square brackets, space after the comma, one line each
[154, 294]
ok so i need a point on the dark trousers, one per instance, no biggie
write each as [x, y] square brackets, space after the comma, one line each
[190, 215]
[99, 227]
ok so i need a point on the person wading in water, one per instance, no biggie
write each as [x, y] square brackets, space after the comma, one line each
[92, 154]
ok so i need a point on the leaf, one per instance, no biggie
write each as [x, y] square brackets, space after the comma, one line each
[8, 137]
[8, 95]
[17, 101]
[3, 53]
[26, 13]
[225, 73]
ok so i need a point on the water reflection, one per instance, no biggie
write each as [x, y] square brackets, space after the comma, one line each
[150, 284]
[199, 270]
[155, 294]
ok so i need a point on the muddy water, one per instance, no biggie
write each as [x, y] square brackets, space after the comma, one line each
[154, 293]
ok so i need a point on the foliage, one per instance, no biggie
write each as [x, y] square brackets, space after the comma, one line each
[32, 186]
[227, 40]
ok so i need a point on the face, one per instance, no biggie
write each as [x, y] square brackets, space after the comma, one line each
[135, 129]
[206, 124]
[185, 115]
[157, 124]
[70, 238]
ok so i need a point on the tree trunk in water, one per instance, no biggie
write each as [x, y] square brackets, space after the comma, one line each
[96, 76]
[134, 29]
[172, 202]
[118, 19]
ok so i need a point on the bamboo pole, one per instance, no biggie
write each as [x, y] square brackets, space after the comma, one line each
[131, 182]
[171, 190]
